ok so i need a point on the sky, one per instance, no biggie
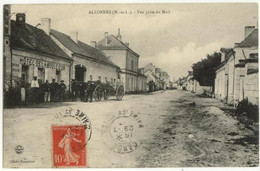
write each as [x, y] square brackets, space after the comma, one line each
[172, 41]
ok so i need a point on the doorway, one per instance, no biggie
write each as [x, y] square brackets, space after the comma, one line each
[80, 72]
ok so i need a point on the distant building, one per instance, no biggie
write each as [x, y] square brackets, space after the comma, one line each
[141, 84]
[156, 78]
[123, 56]
[152, 80]
[192, 85]
[166, 79]
[190, 82]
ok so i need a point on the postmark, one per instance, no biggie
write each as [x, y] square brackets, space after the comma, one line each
[71, 116]
[121, 134]
[69, 148]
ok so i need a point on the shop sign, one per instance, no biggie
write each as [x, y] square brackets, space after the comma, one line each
[41, 63]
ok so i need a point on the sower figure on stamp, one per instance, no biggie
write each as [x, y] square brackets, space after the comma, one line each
[73, 89]
[62, 88]
[46, 90]
[53, 89]
[65, 143]
[90, 89]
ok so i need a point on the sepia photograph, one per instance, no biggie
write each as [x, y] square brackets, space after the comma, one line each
[147, 85]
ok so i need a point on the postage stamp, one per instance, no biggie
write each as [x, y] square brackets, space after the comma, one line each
[121, 133]
[69, 148]
[72, 116]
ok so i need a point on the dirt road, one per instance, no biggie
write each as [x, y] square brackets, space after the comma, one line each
[176, 133]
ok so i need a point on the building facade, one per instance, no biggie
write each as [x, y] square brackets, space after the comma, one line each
[234, 81]
[156, 78]
[89, 63]
[123, 56]
[33, 53]
[221, 80]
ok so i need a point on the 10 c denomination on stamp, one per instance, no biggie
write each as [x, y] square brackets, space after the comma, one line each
[69, 148]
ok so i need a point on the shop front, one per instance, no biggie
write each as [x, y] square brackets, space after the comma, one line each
[26, 66]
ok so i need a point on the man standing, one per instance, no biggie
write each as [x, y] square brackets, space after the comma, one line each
[81, 90]
[62, 88]
[90, 89]
[53, 89]
[34, 89]
[73, 89]
[46, 90]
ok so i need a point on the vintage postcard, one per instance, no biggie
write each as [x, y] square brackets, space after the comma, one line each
[130, 85]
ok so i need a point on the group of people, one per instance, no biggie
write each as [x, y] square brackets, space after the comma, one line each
[47, 91]
[54, 91]
[84, 90]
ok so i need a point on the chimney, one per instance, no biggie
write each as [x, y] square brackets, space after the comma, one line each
[236, 44]
[248, 30]
[94, 44]
[127, 44]
[46, 25]
[20, 19]
[74, 36]
[119, 37]
[106, 38]
[223, 55]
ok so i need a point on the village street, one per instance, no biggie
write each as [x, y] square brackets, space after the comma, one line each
[176, 133]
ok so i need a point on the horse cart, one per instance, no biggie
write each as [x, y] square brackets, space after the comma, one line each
[105, 90]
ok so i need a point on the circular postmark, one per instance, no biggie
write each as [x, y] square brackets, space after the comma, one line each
[122, 133]
[19, 149]
[76, 117]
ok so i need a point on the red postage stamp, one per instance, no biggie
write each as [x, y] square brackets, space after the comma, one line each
[69, 146]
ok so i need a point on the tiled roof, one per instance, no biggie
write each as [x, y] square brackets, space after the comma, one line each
[69, 43]
[81, 48]
[30, 38]
[251, 40]
[226, 50]
[97, 54]
[114, 43]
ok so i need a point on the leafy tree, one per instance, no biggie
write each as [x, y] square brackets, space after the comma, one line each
[204, 70]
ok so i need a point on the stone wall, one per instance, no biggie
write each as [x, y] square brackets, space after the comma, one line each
[251, 88]
[231, 80]
[238, 83]
[142, 84]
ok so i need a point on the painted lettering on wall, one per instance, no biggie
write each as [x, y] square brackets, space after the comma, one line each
[41, 63]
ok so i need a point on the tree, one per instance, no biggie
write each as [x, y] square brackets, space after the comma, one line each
[204, 70]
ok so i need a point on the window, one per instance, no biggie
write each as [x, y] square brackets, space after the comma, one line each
[132, 65]
[24, 76]
[132, 83]
[58, 76]
[41, 75]
[127, 83]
